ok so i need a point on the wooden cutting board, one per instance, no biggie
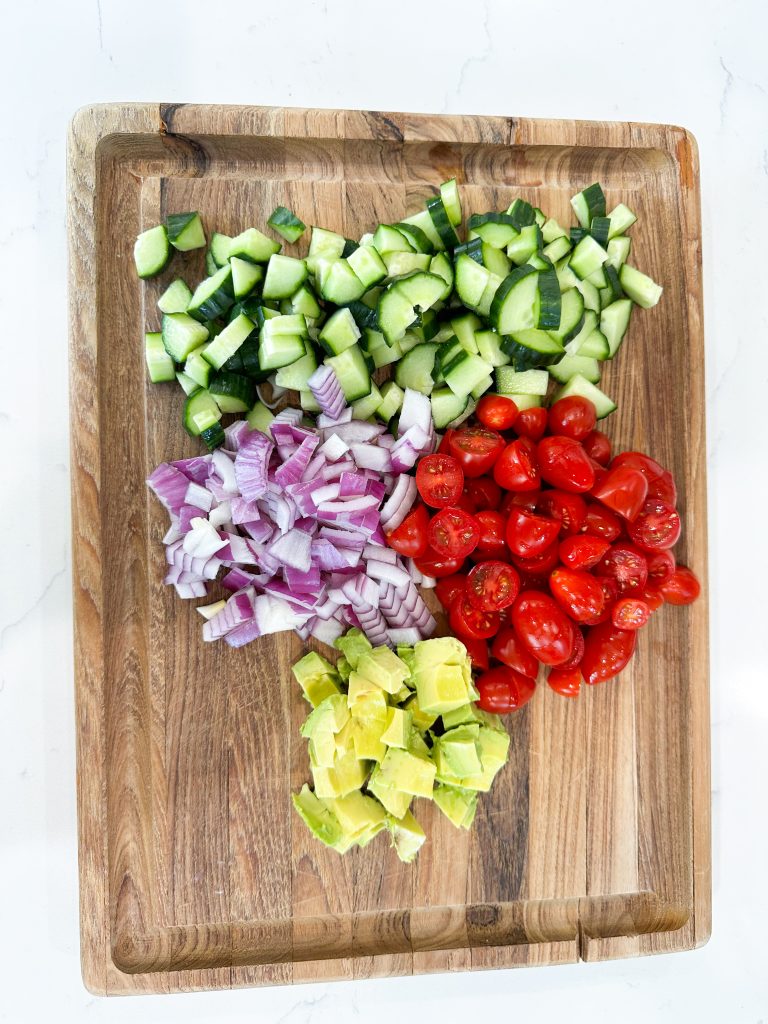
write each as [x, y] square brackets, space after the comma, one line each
[194, 872]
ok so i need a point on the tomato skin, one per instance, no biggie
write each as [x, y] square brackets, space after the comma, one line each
[625, 564]
[503, 690]
[484, 492]
[437, 566]
[508, 648]
[680, 587]
[496, 412]
[492, 586]
[532, 423]
[569, 509]
[564, 464]
[664, 489]
[623, 489]
[444, 448]
[410, 537]
[578, 649]
[516, 468]
[572, 417]
[660, 565]
[607, 651]
[565, 681]
[656, 527]
[653, 598]
[601, 522]
[527, 499]
[448, 587]
[649, 467]
[491, 543]
[543, 627]
[630, 613]
[467, 621]
[582, 551]
[440, 480]
[578, 593]
[453, 533]
[478, 652]
[598, 447]
[476, 449]
[529, 535]
[539, 565]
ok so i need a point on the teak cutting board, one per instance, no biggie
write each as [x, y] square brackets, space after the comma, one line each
[194, 871]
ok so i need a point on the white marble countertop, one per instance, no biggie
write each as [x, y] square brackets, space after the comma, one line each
[697, 64]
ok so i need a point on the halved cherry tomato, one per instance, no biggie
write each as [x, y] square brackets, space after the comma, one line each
[601, 522]
[660, 565]
[491, 543]
[410, 537]
[532, 423]
[540, 565]
[578, 649]
[465, 503]
[680, 587]
[492, 586]
[502, 690]
[449, 587]
[630, 613]
[573, 416]
[543, 627]
[606, 652]
[437, 566]
[529, 535]
[440, 480]
[649, 467]
[453, 533]
[485, 493]
[478, 652]
[516, 469]
[467, 621]
[653, 598]
[444, 448]
[526, 499]
[622, 489]
[508, 648]
[563, 463]
[611, 594]
[664, 489]
[569, 509]
[496, 412]
[565, 681]
[578, 593]
[583, 551]
[625, 564]
[598, 447]
[476, 449]
[656, 527]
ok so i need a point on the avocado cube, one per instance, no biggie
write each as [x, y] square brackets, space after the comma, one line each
[361, 688]
[398, 730]
[441, 688]
[317, 678]
[367, 739]
[358, 814]
[394, 801]
[458, 751]
[400, 769]
[421, 719]
[443, 650]
[318, 818]
[383, 666]
[407, 836]
[469, 713]
[458, 805]
[346, 775]
[343, 668]
[494, 747]
[408, 655]
[417, 746]
[331, 715]
[345, 739]
[322, 750]
[402, 694]
[352, 645]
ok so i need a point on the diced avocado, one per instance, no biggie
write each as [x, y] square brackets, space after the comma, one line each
[345, 740]
[320, 821]
[402, 694]
[442, 688]
[458, 751]
[443, 650]
[458, 805]
[407, 836]
[358, 815]
[417, 745]
[469, 713]
[331, 715]
[494, 746]
[400, 769]
[382, 666]
[367, 738]
[343, 668]
[393, 800]
[408, 655]
[322, 750]
[422, 720]
[398, 730]
[365, 691]
[346, 775]
[317, 678]
[352, 645]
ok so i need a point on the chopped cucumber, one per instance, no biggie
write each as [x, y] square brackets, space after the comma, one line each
[181, 334]
[570, 366]
[578, 385]
[449, 193]
[639, 287]
[284, 276]
[232, 392]
[224, 345]
[588, 204]
[446, 406]
[213, 296]
[200, 412]
[614, 321]
[391, 401]
[245, 276]
[526, 382]
[260, 417]
[152, 251]
[364, 408]
[622, 219]
[352, 372]
[185, 231]
[159, 364]
[368, 265]
[415, 370]
[253, 245]
[287, 224]
[175, 298]
[340, 332]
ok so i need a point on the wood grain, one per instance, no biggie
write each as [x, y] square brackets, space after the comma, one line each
[194, 873]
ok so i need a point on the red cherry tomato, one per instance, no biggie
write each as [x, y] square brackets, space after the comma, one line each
[578, 649]
[569, 509]
[680, 587]
[598, 447]
[484, 492]
[622, 489]
[601, 522]
[444, 448]
[508, 648]
[625, 564]
[491, 543]
[453, 533]
[583, 551]
[467, 621]
[660, 565]
[478, 652]
[630, 613]
[440, 480]
[516, 468]
[496, 412]
[649, 467]
[573, 416]
[540, 565]
[606, 652]
[437, 566]
[611, 593]
[529, 535]
[563, 463]
[578, 593]
[543, 627]
[502, 690]
[653, 598]
[476, 449]
[526, 499]
[565, 681]
[664, 489]
[449, 587]
[532, 423]
[465, 503]
[410, 537]
[656, 527]
[492, 586]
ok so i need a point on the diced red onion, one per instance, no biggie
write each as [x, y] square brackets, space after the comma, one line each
[380, 554]
[251, 464]
[324, 420]
[196, 469]
[235, 433]
[368, 456]
[291, 470]
[325, 386]
[293, 548]
[409, 637]
[198, 496]
[326, 630]
[334, 448]
[416, 410]
[400, 503]
[191, 590]
[169, 485]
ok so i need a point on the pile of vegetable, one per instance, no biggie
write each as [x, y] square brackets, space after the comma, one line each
[386, 728]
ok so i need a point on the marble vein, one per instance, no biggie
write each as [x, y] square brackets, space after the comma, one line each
[479, 58]
[33, 607]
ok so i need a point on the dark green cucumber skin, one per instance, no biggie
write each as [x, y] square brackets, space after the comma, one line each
[599, 229]
[217, 304]
[246, 361]
[595, 200]
[287, 224]
[523, 358]
[504, 289]
[213, 437]
[576, 235]
[490, 218]
[522, 215]
[614, 283]
[414, 234]
[549, 291]
[442, 222]
[233, 385]
[349, 248]
[363, 315]
[175, 224]
[473, 248]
